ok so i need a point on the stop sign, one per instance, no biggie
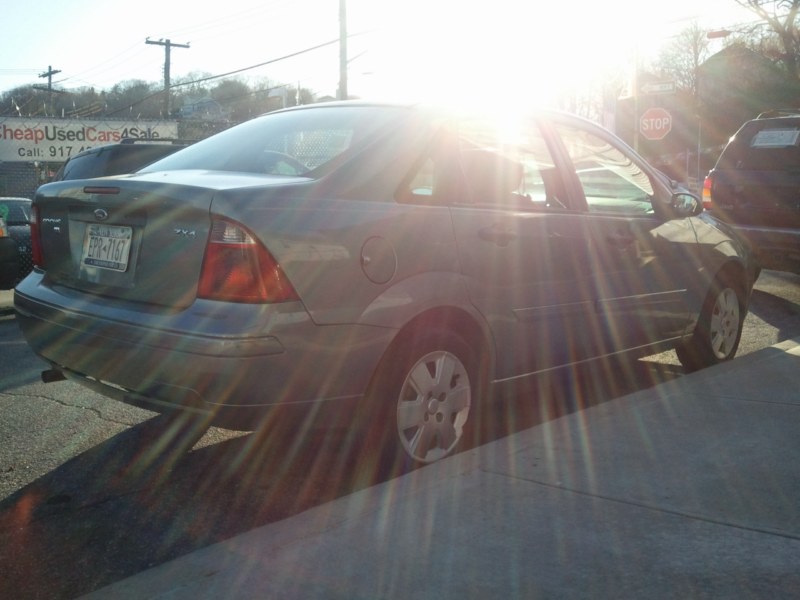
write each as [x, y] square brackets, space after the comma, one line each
[655, 123]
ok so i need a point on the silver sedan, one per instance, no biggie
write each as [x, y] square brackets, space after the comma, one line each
[378, 267]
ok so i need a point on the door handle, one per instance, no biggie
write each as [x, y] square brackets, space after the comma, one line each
[497, 234]
[620, 240]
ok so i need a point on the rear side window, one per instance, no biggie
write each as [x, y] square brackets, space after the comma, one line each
[764, 146]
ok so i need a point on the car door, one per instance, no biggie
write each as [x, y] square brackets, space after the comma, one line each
[638, 260]
[521, 247]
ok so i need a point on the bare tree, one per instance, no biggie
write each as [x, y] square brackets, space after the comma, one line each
[782, 18]
[681, 58]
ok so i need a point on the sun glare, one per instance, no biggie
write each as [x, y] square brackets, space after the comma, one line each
[505, 52]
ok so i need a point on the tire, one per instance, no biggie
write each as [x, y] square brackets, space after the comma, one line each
[719, 328]
[420, 399]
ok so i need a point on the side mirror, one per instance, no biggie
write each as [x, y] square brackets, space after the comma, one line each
[685, 204]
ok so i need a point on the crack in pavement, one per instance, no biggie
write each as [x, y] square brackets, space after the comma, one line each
[65, 404]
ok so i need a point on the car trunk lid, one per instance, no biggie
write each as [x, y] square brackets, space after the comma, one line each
[138, 241]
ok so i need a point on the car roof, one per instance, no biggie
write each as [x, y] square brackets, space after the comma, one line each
[429, 107]
[779, 113]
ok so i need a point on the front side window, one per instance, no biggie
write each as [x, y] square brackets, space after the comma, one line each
[485, 163]
[611, 180]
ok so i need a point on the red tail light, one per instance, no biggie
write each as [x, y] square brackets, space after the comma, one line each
[238, 268]
[707, 185]
[36, 238]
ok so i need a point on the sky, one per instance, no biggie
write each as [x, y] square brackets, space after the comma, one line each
[435, 47]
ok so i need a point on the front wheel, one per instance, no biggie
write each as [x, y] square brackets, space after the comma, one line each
[421, 395]
[719, 328]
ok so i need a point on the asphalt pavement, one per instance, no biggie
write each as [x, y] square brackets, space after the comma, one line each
[686, 490]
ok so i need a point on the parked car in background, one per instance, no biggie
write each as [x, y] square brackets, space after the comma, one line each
[755, 187]
[117, 159]
[9, 261]
[375, 266]
[17, 214]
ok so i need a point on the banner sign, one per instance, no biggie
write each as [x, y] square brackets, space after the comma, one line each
[55, 140]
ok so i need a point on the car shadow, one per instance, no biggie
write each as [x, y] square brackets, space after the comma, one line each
[560, 392]
[151, 494]
[135, 501]
[775, 311]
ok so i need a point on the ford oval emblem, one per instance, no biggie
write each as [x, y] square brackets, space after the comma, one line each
[101, 214]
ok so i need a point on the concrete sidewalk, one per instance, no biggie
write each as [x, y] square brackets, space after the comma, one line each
[687, 490]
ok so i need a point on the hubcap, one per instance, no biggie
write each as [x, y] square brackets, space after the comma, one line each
[724, 323]
[433, 406]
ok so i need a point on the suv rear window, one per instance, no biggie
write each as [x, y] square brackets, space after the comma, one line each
[84, 167]
[765, 146]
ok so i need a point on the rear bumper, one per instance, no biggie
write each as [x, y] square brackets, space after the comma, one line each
[290, 361]
[330, 412]
[773, 247]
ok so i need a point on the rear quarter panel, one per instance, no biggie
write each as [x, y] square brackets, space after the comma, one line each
[355, 261]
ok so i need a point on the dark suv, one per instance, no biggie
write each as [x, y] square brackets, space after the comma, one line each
[755, 187]
[9, 261]
[116, 159]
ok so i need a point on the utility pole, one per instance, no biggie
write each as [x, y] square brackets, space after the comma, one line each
[342, 49]
[49, 89]
[49, 74]
[168, 45]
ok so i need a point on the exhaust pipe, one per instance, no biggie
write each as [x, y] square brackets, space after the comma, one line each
[52, 375]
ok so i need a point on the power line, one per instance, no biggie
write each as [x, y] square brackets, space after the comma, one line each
[229, 21]
[274, 60]
[111, 64]
[235, 72]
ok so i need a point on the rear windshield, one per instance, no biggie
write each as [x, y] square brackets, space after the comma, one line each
[15, 212]
[285, 143]
[114, 160]
[765, 146]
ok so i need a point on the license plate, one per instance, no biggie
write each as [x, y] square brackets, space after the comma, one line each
[107, 246]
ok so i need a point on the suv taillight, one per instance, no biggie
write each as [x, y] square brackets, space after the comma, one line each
[707, 185]
[238, 268]
[36, 238]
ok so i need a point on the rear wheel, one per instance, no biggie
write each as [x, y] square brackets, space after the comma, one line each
[421, 397]
[719, 328]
